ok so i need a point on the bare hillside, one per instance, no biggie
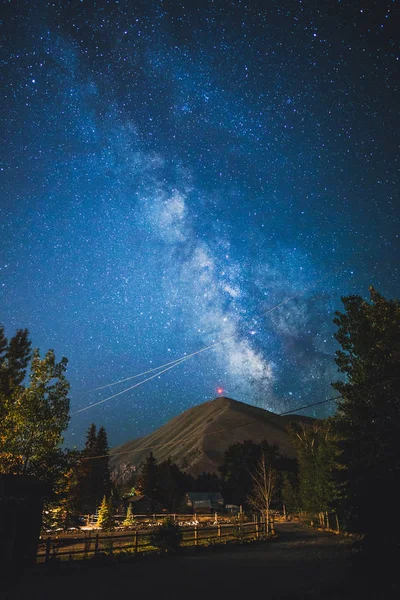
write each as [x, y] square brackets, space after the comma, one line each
[197, 439]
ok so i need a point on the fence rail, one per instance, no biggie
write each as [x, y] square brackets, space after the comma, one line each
[138, 541]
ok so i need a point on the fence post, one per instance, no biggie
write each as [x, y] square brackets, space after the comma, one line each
[272, 526]
[48, 543]
[195, 535]
[136, 542]
[219, 532]
[337, 523]
[257, 532]
[96, 544]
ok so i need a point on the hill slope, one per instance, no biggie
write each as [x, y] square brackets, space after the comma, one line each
[197, 438]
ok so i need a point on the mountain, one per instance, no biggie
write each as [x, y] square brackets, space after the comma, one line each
[196, 439]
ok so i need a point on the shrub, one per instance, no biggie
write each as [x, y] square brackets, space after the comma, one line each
[167, 537]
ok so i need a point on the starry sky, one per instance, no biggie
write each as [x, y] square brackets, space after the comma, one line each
[171, 171]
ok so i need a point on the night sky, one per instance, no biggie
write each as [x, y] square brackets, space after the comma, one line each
[173, 170]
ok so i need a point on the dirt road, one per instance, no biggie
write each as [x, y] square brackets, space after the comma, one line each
[301, 563]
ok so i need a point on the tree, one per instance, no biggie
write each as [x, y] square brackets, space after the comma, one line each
[148, 482]
[263, 489]
[240, 461]
[106, 515]
[172, 484]
[14, 359]
[102, 464]
[92, 474]
[33, 417]
[369, 413]
[91, 441]
[290, 492]
[62, 509]
[317, 454]
[129, 520]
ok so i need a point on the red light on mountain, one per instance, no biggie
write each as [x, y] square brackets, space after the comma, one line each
[220, 390]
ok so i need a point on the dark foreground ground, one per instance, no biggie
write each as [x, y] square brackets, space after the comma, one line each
[301, 563]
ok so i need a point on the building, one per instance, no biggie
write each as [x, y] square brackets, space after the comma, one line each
[142, 505]
[204, 501]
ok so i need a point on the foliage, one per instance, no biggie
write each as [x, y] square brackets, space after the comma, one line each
[91, 479]
[369, 413]
[317, 454]
[167, 537]
[290, 492]
[148, 482]
[14, 359]
[207, 482]
[129, 520]
[61, 509]
[172, 485]
[106, 515]
[240, 461]
[103, 463]
[33, 416]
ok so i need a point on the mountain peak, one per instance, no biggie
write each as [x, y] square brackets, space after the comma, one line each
[197, 439]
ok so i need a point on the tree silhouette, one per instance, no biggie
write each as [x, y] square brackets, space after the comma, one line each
[369, 413]
[148, 482]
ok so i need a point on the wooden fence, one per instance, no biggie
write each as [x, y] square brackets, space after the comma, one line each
[91, 520]
[138, 541]
[323, 520]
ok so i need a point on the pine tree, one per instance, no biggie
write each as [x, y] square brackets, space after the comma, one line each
[149, 479]
[91, 441]
[102, 465]
[106, 516]
[129, 520]
[93, 472]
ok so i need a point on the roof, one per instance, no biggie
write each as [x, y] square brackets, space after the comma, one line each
[138, 498]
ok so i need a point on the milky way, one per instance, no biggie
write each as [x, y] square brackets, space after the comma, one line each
[170, 172]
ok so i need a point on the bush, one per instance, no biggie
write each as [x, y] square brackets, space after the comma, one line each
[167, 537]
